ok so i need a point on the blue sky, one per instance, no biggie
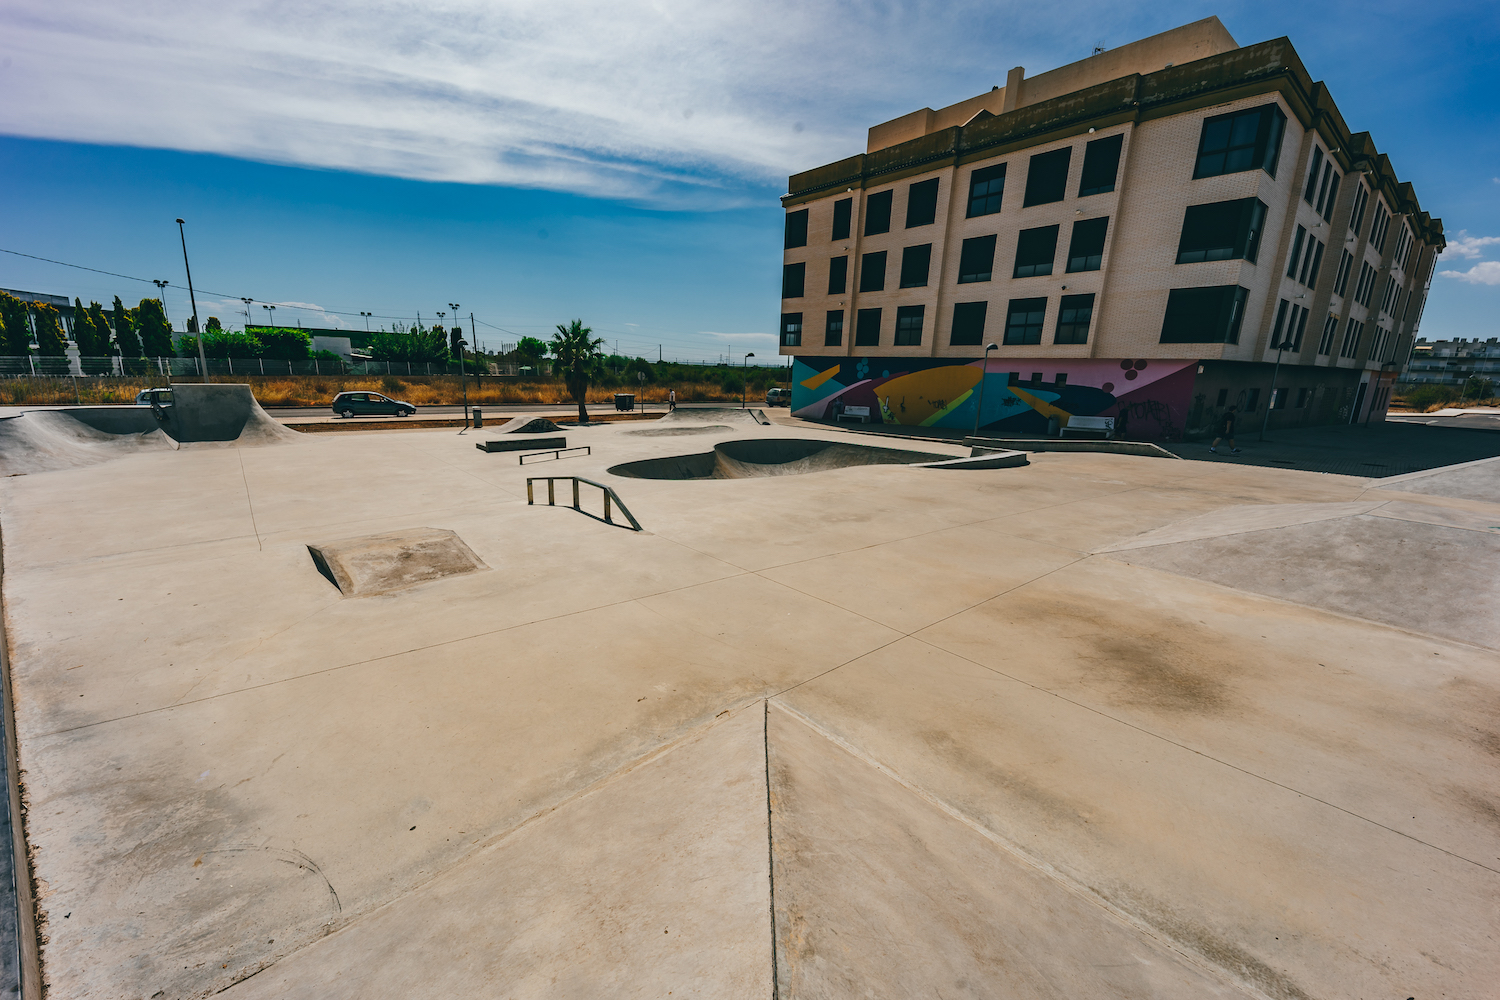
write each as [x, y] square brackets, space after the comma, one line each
[619, 163]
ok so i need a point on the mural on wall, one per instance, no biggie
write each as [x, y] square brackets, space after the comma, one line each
[1148, 398]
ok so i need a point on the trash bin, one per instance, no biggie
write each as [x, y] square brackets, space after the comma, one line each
[478, 418]
[624, 400]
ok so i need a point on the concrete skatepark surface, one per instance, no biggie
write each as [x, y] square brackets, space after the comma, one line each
[877, 731]
[759, 458]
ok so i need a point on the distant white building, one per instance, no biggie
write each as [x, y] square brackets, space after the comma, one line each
[1452, 362]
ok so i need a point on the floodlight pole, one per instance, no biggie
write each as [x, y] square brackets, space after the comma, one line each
[197, 330]
[984, 370]
[744, 367]
[247, 312]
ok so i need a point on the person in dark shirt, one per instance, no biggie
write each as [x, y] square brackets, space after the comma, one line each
[1226, 432]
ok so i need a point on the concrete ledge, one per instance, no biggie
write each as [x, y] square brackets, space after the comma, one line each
[982, 458]
[1145, 448]
[522, 444]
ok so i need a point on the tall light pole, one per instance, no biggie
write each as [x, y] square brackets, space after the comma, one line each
[744, 366]
[270, 315]
[367, 321]
[161, 292]
[1281, 345]
[247, 312]
[197, 331]
[463, 378]
[983, 371]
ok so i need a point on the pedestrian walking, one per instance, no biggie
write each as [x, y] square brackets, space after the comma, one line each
[1225, 433]
[671, 400]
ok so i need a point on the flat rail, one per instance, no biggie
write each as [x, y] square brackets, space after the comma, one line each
[556, 453]
[611, 498]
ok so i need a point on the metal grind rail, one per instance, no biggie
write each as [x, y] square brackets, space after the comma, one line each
[610, 496]
[556, 453]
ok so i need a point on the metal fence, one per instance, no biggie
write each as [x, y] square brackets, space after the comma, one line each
[119, 367]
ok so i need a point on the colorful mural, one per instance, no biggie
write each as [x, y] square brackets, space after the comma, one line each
[1149, 398]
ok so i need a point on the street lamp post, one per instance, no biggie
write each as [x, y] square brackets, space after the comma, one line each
[463, 378]
[744, 365]
[248, 303]
[161, 292]
[367, 321]
[1270, 403]
[984, 370]
[197, 331]
[270, 314]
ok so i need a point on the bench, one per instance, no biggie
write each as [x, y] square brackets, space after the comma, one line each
[860, 413]
[1089, 425]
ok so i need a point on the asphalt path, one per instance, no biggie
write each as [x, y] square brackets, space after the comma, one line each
[508, 409]
[1466, 421]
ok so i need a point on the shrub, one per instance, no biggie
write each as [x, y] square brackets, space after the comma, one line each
[1424, 397]
[391, 384]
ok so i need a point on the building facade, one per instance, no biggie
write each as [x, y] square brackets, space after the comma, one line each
[1453, 362]
[1155, 233]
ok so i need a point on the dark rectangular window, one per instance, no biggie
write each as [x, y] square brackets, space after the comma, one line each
[1301, 329]
[1323, 187]
[878, 213]
[1380, 224]
[1312, 176]
[838, 275]
[1047, 177]
[1036, 249]
[1352, 334]
[1209, 315]
[1060, 379]
[915, 263]
[872, 272]
[1278, 398]
[909, 325]
[1222, 230]
[1101, 162]
[1333, 197]
[1302, 397]
[867, 328]
[1024, 319]
[1357, 213]
[1242, 140]
[1311, 281]
[1276, 330]
[1341, 277]
[921, 203]
[976, 261]
[791, 329]
[1223, 397]
[1325, 342]
[968, 324]
[1252, 400]
[796, 229]
[1086, 248]
[842, 210]
[1295, 257]
[833, 329]
[793, 279]
[986, 188]
[1073, 319]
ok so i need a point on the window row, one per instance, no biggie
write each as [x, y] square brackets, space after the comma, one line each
[1341, 279]
[1036, 255]
[1352, 334]
[1223, 230]
[1322, 192]
[1306, 258]
[1402, 256]
[1380, 224]
[1025, 320]
[1365, 286]
[1357, 213]
[1241, 140]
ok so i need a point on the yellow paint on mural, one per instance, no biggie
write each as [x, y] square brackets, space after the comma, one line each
[820, 378]
[1041, 406]
[921, 396]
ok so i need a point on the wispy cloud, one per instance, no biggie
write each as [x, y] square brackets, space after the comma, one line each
[1468, 246]
[673, 102]
[1486, 272]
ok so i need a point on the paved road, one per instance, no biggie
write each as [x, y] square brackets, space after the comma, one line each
[507, 409]
[1467, 421]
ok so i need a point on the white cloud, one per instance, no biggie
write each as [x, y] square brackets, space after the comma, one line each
[1468, 246]
[675, 102]
[1486, 272]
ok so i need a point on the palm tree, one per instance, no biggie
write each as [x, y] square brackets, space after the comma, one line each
[576, 351]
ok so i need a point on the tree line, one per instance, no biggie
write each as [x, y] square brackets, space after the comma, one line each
[98, 333]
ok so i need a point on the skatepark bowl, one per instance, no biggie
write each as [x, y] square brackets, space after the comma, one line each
[753, 459]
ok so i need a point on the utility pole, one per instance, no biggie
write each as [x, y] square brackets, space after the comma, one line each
[197, 330]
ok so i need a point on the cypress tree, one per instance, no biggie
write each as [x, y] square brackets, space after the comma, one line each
[15, 331]
[155, 331]
[49, 332]
[85, 337]
[130, 344]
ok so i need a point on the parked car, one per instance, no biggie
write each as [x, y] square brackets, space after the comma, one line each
[160, 397]
[360, 404]
[778, 397]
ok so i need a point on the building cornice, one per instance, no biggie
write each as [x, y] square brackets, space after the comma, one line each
[1265, 68]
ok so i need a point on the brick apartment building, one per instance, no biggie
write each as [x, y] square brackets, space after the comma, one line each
[1153, 233]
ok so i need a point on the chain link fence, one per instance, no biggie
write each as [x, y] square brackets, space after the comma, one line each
[64, 367]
